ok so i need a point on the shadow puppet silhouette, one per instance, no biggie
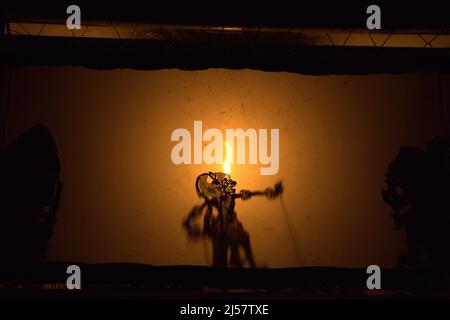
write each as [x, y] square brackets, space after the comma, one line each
[30, 192]
[220, 222]
[418, 191]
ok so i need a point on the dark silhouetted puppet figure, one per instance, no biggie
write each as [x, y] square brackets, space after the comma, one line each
[220, 222]
[418, 191]
[30, 192]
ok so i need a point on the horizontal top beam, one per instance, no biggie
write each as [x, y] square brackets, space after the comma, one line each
[236, 36]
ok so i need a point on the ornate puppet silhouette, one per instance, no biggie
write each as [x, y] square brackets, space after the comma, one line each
[30, 192]
[418, 191]
[220, 222]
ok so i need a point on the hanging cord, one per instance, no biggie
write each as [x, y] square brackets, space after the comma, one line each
[291, 233]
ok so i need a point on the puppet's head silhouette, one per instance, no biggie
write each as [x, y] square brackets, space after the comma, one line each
[213, 184]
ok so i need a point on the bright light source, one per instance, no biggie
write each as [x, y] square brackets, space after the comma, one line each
[228, 155]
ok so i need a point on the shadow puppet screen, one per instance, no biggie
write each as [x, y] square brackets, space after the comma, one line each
[125, 199]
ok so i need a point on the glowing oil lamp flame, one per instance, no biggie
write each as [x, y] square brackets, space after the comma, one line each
[228, 154]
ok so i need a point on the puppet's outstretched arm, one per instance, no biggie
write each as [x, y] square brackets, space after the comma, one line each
[270, 193]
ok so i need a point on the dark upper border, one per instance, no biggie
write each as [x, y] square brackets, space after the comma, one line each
[396, 14]
[199, 55]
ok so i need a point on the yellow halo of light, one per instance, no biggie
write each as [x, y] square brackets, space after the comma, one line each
[228, 154]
